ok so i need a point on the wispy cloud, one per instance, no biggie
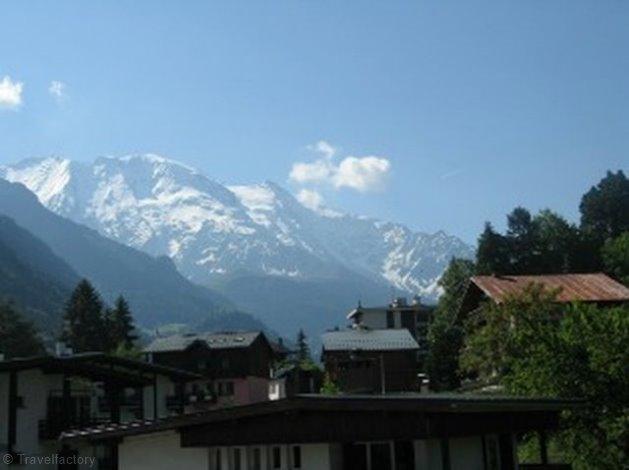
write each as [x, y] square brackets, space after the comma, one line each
[365, 173]
[451, 174]
[57, 90]
[10, 93]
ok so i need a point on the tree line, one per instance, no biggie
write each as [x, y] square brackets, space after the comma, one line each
[88, 325]
[533, 346]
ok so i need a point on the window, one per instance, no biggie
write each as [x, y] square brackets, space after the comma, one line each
[276, 457]
[257, 459]
[225, 389]
[381, 456]
[237, 459]
[296, 457]
[218, 461]
[390, 320]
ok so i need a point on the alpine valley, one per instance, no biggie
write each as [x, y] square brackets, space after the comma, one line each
[287, 264]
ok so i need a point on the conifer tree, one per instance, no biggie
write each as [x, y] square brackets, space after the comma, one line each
[121, 327]
[18, 337]
[84, 325]
[303, 350]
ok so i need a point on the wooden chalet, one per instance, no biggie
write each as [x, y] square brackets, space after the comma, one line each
[596, 288]
[236, 366]
[362, 360]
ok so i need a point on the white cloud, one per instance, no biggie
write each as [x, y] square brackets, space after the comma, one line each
[10, 93]
[363, 174]
[310, 198]
[319, 171]
[57, 89]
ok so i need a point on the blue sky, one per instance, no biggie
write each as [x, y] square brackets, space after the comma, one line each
[463, 109]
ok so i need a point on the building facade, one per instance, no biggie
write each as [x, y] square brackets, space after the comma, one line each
[337, 433]
[42, 396]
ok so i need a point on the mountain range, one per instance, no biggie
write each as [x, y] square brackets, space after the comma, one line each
[255, 244]
[45, 255]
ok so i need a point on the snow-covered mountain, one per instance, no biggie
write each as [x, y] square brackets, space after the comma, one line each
[215, 232]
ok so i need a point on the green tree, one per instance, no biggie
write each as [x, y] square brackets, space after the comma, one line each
[615, 255]
[84, 324]
[329, 386]
[556, 244]
[445, 333]
[521, 241]
[605, 207]
[120, 327]
[534, 346]
[303, 350]
[492, 254]
[18, 337]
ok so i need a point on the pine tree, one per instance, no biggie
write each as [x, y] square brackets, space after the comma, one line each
[120, 325]
[84, 324]
[18, 337]
[605, 207]
[492, 254]
[303, 350]
[445, 334]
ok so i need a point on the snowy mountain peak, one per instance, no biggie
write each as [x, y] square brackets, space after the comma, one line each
[167, 208]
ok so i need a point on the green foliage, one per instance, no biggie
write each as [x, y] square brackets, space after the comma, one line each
[18, 337]
[615, 254]
[303, 350]
[445, 334]
[120, 328]
[329, 386]
[536, 347]
[89, 326]
[605, 207]
[545, 243]
[84, 325]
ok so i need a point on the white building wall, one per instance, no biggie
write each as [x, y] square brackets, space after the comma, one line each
[4, 410]
[160, 452]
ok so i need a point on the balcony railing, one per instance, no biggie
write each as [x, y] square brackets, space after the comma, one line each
[52, 428]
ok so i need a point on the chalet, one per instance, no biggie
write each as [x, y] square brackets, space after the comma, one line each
[42, 396]
[310, 432]
[362, 360]
[413, 316]
[294, 380]
[597, 288]
[237, 366]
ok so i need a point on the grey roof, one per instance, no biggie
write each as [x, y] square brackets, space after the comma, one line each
[212, 340]
[369, 340]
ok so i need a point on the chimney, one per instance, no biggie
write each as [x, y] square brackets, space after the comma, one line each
[417, 299]
[399, 302]
[61, 350]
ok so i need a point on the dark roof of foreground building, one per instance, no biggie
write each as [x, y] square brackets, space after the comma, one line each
[98, 366]
[321, 406]
[593, 287]
[225, 340]
[365, 339]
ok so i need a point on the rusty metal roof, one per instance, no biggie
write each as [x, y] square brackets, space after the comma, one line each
[592, 287]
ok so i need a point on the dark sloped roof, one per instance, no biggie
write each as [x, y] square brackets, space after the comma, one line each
[95, 364]
[594, 287]
[434, 403]
[369, 340]
[211, 340]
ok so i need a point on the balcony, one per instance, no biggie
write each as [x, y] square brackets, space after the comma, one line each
[50, 429]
